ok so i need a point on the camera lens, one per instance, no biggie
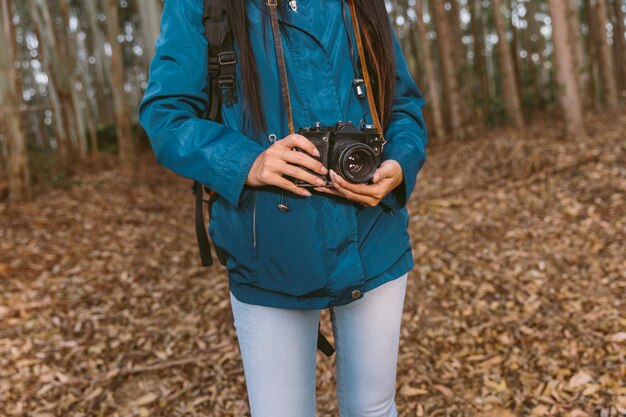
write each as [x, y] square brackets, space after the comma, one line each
[355, 161]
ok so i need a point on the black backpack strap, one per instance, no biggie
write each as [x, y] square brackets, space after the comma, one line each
[201, 234]
[222, 62]
[322, 343]
[222, 58]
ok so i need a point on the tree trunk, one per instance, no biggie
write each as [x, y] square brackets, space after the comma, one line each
[432, 88]
[58, 125]
[91, 109]
[61, 74]
[150, 13]
[539, 73]
[121, 109]
[620, 47]
[18, 172]
[77, 116]
[607, 69]
[103, 70]
[484, 94]
[414, 44]
[446, 55]
[509, 84]
[566, 69]
[573, 20]
[459, 57]
[515, 56]
[595, 87]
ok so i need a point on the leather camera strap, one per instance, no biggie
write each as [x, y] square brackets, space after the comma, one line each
[280, 58]
[366, 74]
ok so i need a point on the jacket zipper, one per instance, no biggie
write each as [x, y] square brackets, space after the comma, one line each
[254, 222]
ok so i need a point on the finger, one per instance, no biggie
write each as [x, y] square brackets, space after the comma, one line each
[390, 169]
[349, 196]
[299, 141]
[382, 172]
[285, 184]
[359, 198]
[367, 190]
[329, 190]
[305, 160]
[299, 173]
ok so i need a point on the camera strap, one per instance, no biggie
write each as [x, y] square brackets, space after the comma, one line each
[366, 74]
[280, 58]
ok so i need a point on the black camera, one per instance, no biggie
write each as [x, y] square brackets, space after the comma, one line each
[353, 153]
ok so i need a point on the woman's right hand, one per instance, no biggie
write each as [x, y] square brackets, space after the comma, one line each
[282, 159]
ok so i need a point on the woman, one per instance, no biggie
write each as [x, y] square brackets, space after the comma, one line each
[291, 251]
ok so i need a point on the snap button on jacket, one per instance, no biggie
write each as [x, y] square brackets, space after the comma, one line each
[326, 250]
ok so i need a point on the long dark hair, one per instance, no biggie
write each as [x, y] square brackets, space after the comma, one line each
[376, 31]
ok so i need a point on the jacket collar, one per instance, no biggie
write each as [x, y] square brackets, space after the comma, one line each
[300, 20]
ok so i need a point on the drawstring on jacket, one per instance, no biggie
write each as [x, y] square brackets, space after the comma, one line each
[282, 204]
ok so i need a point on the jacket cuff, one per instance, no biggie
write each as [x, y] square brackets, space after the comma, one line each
[411, 160]
[234, 170]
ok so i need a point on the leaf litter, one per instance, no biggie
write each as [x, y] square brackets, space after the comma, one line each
[516, 305]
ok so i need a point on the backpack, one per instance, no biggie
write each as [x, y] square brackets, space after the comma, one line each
[222, 61]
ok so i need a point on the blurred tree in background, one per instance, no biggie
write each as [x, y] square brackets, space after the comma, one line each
[74, 69]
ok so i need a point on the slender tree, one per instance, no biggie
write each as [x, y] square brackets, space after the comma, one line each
[446, 56]
[433, 95]
[459, 58]
[509, 83]
[484, 93]
[102, 66]
[77, 116]
[46, 51]
[595, 88]
[620, 46]
[150, 13]
[566, 69]
[607, 69]
[19, 175]
[573, 21]
[61, 70]
[126, 144]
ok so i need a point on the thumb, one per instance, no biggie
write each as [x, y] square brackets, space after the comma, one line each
[382, 172]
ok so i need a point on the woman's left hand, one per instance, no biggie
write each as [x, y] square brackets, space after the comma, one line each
[387, 177]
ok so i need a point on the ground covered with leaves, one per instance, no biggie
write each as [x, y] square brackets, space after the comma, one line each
[516, 306]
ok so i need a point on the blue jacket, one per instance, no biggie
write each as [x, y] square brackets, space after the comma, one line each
[326, 250]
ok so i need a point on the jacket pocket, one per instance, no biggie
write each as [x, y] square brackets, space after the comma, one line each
[289, 246]
[401, 219]
[232, 231]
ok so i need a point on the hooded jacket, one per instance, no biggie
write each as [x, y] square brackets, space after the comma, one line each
[326, 250]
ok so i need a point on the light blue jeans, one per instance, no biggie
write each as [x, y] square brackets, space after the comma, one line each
[279, 347]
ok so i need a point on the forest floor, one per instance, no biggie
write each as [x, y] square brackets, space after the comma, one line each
[516, 305]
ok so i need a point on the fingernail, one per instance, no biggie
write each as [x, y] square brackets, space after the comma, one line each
[320, 181]
[316, 152]
[306, 193]
[324, 170]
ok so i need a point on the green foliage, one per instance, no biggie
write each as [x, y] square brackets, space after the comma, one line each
[496, 113]
[48, 168]
[107, 137]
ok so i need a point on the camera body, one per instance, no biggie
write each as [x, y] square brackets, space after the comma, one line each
[353, 153]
